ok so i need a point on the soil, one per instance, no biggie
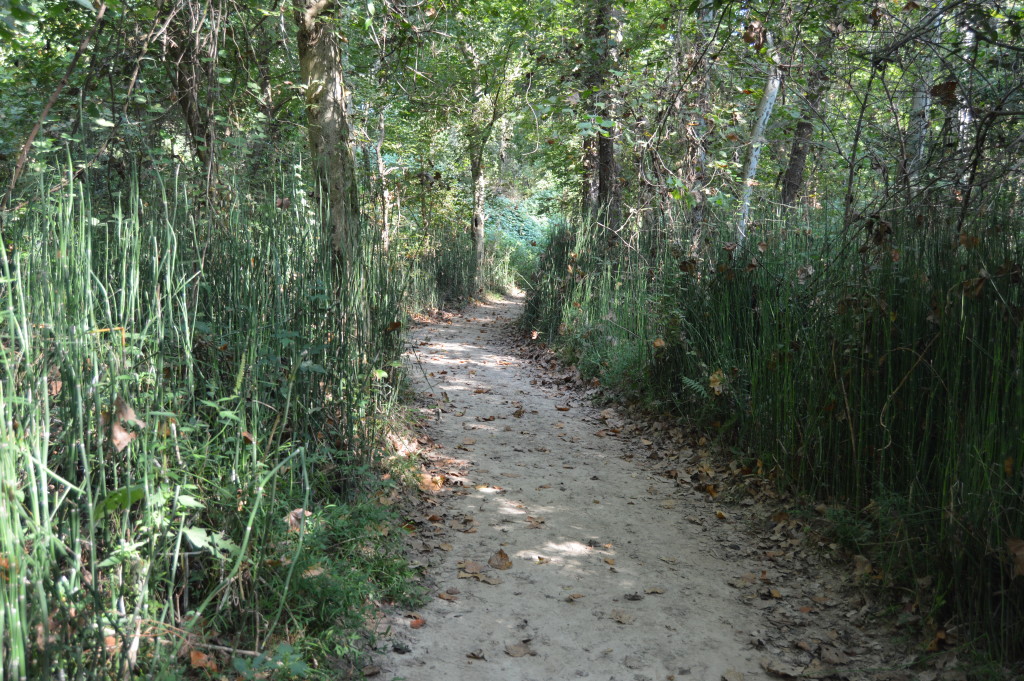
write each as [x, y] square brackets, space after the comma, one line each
[560, 540]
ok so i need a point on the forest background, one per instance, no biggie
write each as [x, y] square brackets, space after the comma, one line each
[794, 224]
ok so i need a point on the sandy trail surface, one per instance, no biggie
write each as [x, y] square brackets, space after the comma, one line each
[553, 552]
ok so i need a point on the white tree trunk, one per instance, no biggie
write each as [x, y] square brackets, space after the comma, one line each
[757, 139]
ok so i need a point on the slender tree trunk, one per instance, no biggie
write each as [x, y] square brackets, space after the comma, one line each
[327, 119]
[757, 139]
[601, 192]
[818, 82]
[917, 129]
[385, 192]
[476, 168]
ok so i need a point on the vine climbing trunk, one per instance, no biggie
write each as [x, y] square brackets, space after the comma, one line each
[320, 61]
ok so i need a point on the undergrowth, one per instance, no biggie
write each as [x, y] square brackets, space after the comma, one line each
[876, 367]
[193, 414]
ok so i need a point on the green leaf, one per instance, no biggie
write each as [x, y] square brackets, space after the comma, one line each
[199, 537]
[120, 499]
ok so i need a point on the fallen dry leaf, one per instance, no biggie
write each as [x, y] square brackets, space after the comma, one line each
[470, 566]
[654, 590]
[861, 566]
[200, 660]
[417, 623]
[519, 649]
[120, 437]
[296, 518]
[500, 560]
[541, 560]
[780, 668]
[123, 412]
[431, 483]
[610, 561]
[477, 654]
[447, 597]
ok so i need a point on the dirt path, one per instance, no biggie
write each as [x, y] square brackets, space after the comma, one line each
[615, 573]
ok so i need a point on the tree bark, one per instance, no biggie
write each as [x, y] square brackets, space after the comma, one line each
[757, 139]
[476, 169]
[817, 85]
[320, 61]
[601, 193]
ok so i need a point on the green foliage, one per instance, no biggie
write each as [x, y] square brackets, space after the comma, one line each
[884, 380]
[191, 431]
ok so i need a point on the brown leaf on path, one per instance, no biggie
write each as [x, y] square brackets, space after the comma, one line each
[447, 597]
[780, 668]
[500, 560]
[562, 407]
[610, 561]
[519, 649]
[654, 590]
[541, 560]
[470, 566]
[445, 546]
[861, 566]
[431, 483]
[487, 579]
[477, 654]
[417, 623]
[314, 571]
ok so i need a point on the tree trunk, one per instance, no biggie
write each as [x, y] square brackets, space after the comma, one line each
[757, 139]
[817, 85]
[476, 168]
[601, 194]
[327, 120]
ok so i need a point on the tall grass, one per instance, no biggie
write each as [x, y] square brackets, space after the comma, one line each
[878, 368]
[188, 417]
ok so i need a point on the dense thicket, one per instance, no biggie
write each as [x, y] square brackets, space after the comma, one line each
[794, 223]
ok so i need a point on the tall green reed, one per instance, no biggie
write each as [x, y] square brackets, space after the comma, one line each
[876, 367]
[183, 384]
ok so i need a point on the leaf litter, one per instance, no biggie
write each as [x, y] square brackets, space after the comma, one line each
[787, 613]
